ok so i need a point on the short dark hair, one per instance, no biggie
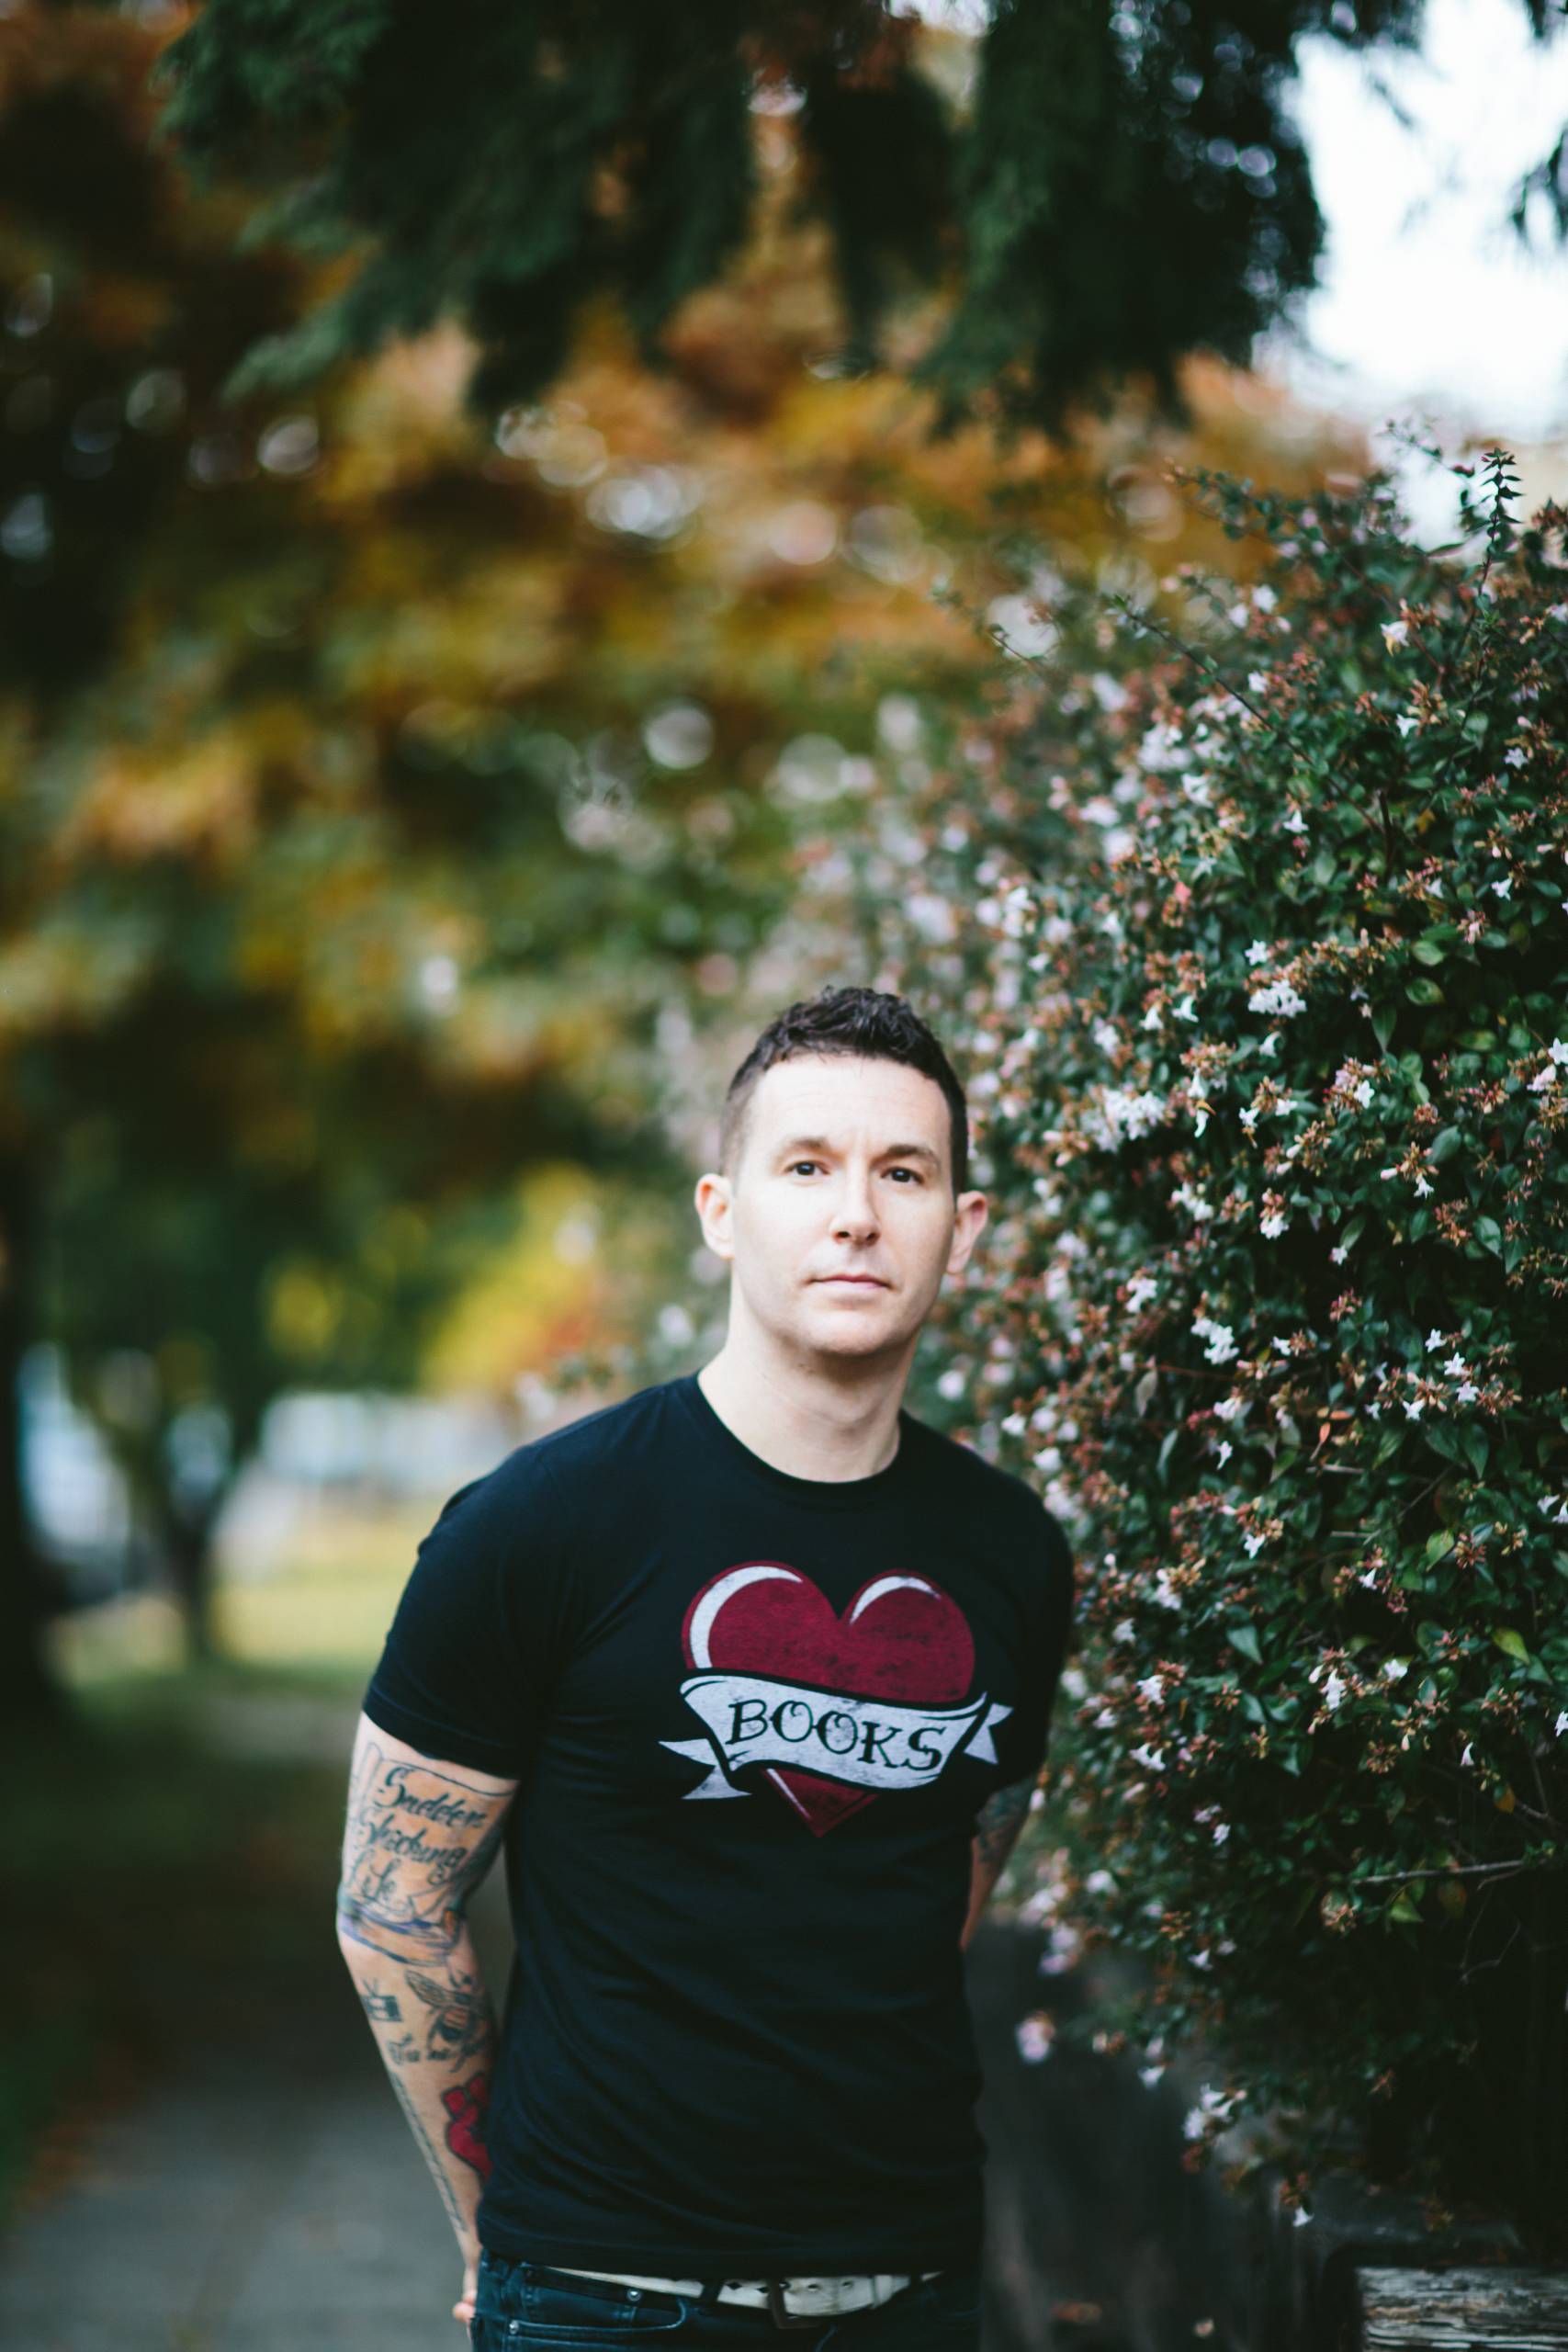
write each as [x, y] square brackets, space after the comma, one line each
[867, 1022]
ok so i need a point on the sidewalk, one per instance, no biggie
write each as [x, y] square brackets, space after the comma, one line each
[260, 2190]
[266, 2197]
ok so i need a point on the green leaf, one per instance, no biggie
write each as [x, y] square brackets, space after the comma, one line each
[1512, 1642]
[1244, 1639]
[1424, 992]
[1383, 1017]
[1489, 1233]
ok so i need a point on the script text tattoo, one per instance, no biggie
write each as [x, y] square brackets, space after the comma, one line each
[414, 1848]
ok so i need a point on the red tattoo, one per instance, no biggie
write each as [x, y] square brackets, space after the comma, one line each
[466, 2105]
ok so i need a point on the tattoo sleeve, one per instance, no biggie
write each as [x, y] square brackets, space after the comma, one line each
[419, 1838]
[997, 1825]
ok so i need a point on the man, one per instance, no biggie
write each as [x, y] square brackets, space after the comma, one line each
[751, 1673]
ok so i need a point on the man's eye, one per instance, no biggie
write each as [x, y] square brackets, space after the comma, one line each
[913, 1172]
[804, 1163]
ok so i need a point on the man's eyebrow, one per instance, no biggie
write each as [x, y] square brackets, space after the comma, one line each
[889, 1152]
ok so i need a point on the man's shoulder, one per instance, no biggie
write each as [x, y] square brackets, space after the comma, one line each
[579, 1449]
[988, 1491]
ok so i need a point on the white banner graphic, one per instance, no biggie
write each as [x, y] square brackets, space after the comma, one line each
[873, 1742]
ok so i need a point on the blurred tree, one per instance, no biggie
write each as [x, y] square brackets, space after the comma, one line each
[1096, 188]
[415, 779]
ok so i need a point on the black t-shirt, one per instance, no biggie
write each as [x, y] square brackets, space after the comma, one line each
[753, 1717]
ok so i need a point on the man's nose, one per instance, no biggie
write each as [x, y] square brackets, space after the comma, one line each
[854, 1210]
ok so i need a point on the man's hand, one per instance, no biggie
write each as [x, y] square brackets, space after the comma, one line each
[463, 2308]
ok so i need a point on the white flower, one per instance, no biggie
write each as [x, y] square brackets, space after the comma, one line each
[1221, 1831]
[1259, 952]
[1559, 1051]
[1561, 1725]
[1515, 756]
[950, 1384]
[1339, 1256]
[1150, 2075]
[1253, 1545]
[1194, 1202]
[1457, 1367]
[1270, 1044]
[1423, 1189]
[1196, 787]
[1434, 1340]
[1545, 1079]
[1300, 2217]
[1368, 1576]
[1396, 1667]
[1139, 1290]
[1295, 822]
[1413, 1408]
[1128, 1115]
[1186, 1010]
[1229, 1407]
[1034, 2036]
[1502, 889]
[1277, 996]
[1123, 1630]
[1222, 1344]
[1165, 1591]
[1467, 1393]
[1274, 1225]
[1153, 1690]
[1465, 1758]
[1248, 1120]
[1363, 1092]
[1153, 1019]
[1394, 633]
[1333, 1689]
[1405, 721]
[1224, 1452]
[1149, 1757]
[1199, 1116]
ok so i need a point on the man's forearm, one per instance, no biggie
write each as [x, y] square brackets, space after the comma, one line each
[436, 2028]
[419, 1838]
[996, 1830]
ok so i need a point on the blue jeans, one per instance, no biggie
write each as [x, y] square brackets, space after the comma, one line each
[528, 2307]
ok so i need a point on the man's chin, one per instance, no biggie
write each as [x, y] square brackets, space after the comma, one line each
[858, 1332]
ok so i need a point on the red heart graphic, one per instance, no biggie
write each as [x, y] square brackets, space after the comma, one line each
[900, 1637]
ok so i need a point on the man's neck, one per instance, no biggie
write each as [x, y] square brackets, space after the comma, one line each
[803, 1422]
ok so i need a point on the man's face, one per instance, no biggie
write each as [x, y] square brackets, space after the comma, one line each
[840, 1220]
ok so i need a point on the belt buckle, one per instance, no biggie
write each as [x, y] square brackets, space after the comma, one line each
[782, 2318]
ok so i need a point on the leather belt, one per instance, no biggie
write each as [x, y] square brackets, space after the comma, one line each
[789, 2302]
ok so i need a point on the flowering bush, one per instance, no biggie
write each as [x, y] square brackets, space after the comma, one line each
[1266, 985]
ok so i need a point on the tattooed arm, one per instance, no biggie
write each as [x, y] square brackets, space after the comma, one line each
[419, 1837]
[997, 1825]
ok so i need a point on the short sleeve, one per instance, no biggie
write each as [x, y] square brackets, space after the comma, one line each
[1052, 1585]
[469, 1660]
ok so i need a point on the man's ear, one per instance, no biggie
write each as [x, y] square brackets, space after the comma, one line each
[970, 1212]
[715, 1208]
